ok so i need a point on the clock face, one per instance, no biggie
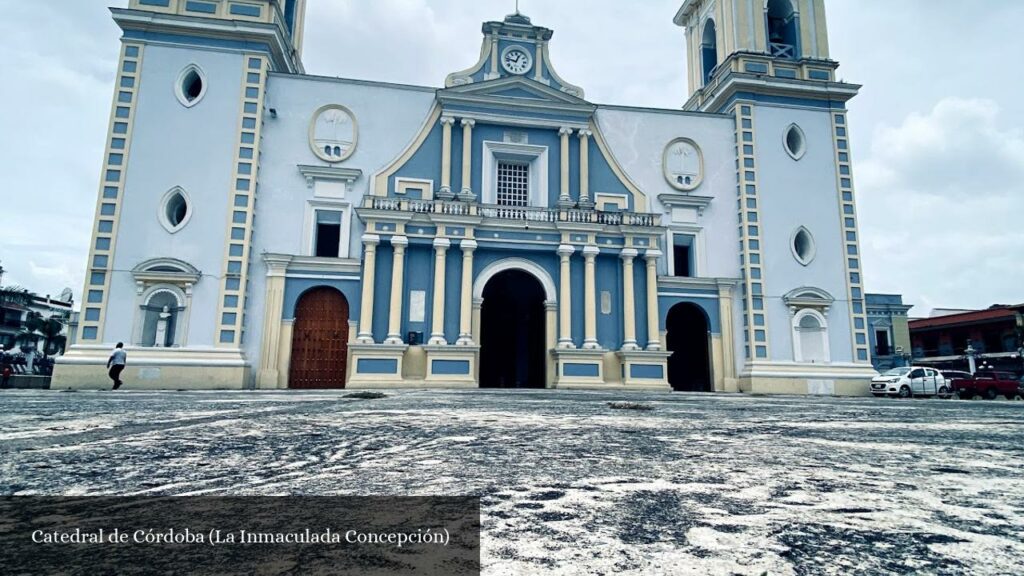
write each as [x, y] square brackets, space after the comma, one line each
[516, 61]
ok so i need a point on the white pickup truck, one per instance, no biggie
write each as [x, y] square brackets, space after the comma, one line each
[909, 381]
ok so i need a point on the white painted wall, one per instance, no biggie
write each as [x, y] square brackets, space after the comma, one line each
[177, 146]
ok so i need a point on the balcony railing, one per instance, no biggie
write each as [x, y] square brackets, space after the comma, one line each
[517, 213]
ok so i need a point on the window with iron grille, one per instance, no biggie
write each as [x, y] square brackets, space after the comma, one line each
[513, 184]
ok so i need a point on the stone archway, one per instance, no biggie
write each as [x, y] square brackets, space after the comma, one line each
[512, 331]
[689, 340]
[319, 340]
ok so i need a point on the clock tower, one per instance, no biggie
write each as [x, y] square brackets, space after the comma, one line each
[514, 47]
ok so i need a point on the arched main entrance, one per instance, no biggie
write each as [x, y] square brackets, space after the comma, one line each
[319, 340]
[689, 340]
[512, 338]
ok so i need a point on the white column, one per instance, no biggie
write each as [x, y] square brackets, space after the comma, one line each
[564, 200]
[653, 330]
[397, 287]
[370, 242]
[585, 201]
[466, 295]
[467, 160]
[441, 246]
[628, 300]
[565, 251]
[590, 298]
[445, 192]
[277, 267]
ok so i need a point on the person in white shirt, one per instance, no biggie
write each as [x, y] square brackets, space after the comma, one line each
[116, 364]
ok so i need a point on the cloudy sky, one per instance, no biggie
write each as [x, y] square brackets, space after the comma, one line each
[938, 148]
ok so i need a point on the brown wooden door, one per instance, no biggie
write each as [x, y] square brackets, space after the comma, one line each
[319, 340]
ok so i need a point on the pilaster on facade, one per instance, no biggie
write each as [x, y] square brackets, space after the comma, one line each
[466, 194]
[370, 242]
[651, 256]
[437, 337]
[269, 375]
[445, 191]
[565, 252]
[585, 202]
[590, 253]
[755, 317]
[628, 300]
[96, 293]
[398, 243]
[564, 199]
[468, 246]
[242, 199]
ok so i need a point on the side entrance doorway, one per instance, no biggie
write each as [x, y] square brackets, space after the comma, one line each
[319, 340]
[689, 340]
[512, 339]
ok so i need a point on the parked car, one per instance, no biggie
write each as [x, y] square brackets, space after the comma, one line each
[910, 381]
[990, 385]
[954, 374]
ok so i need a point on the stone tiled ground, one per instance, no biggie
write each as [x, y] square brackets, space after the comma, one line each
[698, 485]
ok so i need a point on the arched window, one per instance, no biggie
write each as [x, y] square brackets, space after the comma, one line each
[810, 337]
[709, 50]
[160, 319]
[783, 29]
[163, 301]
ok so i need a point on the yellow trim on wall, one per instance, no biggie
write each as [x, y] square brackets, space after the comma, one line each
[238, 326]
[100, 323]
[639, 198]
[380, 181]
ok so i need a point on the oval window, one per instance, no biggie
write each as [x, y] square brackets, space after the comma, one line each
[175, 210]
[803, 246]
[191, 86]
[794, 142]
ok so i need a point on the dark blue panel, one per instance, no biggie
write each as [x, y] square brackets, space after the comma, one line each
[580, 370]
[450, 367]
[377, 366]
[647, 371]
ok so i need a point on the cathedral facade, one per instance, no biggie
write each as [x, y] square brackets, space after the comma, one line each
[261, 227]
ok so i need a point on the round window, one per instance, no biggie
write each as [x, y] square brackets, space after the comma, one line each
[803, 246]
[683, 164]
[794, 142]
[191, 86]
[175, 210]
[333, 133]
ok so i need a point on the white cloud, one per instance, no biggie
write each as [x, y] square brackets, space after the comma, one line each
[940, 205]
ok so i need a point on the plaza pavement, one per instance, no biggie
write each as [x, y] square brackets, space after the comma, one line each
[700, 484]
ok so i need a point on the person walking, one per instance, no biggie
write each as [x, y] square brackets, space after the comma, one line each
[116, 364]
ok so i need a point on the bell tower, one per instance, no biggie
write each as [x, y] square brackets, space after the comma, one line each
[766, 63]
[785, 40]
[283, 20]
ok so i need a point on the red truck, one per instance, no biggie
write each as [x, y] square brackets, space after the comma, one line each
[990, 385]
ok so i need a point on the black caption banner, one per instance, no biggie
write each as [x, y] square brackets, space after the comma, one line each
[240, 535]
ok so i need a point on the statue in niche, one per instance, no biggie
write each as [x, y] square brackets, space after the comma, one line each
[161, 328]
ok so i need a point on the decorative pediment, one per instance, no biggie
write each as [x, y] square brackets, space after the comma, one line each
[519, 100]
[514, 48]
[169, 270]
[514, 87]
[808, 297]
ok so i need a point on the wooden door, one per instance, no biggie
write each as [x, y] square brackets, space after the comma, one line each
[319, 340]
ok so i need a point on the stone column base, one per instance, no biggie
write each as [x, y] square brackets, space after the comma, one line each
[643, 370]
[375, 366]
[85, 368]
[452, 366]
[579, 368]
[807, 379]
